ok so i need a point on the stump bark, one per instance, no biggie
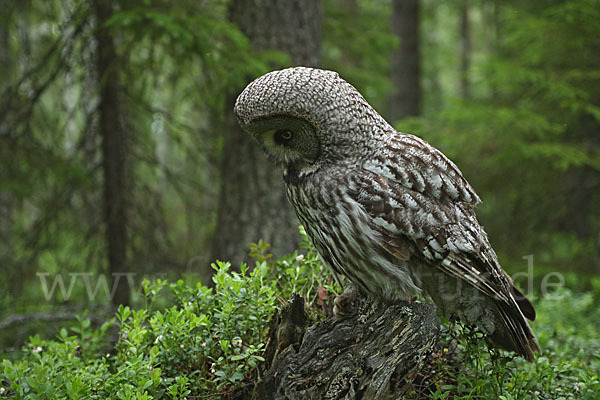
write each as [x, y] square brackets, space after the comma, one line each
[373, 354]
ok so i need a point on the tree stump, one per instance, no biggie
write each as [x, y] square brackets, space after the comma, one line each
[374, 354]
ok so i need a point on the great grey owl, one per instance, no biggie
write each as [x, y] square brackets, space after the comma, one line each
[383, 208]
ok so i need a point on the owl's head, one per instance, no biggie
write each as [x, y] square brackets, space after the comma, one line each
[304, 117]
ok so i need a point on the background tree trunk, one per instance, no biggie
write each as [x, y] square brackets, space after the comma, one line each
[465, 49]
[6, 62]
[7, 199]
[374, 354]
[253, 203]
[113, 154]
[406, 61]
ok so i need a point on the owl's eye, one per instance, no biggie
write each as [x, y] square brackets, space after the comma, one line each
[283, 136]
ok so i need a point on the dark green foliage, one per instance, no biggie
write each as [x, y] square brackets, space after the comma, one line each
[210, 342]
[526, 138]
[465, 368]
[301, 273]
[528, 141]
[170, 60]
[357, 44]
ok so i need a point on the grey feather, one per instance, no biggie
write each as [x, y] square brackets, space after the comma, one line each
[383, 208]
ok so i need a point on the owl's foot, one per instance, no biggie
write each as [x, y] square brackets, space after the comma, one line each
[345, 305]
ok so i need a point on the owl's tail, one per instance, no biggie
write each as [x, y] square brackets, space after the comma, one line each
[498, 310]
[517, 335]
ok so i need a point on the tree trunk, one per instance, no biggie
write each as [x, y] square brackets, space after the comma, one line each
[6, 196]
[252, 197]
[374, 354]
[491, 20]
[113, 154]
[405, 64]
[5, 57]
[465, 49]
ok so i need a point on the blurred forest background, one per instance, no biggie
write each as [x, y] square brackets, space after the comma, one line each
[120, 153]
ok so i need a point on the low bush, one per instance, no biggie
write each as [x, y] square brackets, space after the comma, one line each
[209, 343]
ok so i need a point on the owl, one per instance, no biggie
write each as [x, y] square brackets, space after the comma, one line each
[383, 208]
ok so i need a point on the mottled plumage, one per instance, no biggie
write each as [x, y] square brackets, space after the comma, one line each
[383, 208]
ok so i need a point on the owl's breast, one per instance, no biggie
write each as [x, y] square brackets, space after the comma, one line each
[340, 230]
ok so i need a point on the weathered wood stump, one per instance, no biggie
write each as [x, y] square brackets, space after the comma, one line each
[374, 354]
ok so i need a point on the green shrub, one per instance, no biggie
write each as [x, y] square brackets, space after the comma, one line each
[209, 343]
[465, 367]
[295, 273]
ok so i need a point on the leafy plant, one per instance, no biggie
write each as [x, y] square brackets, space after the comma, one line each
[210, 343]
